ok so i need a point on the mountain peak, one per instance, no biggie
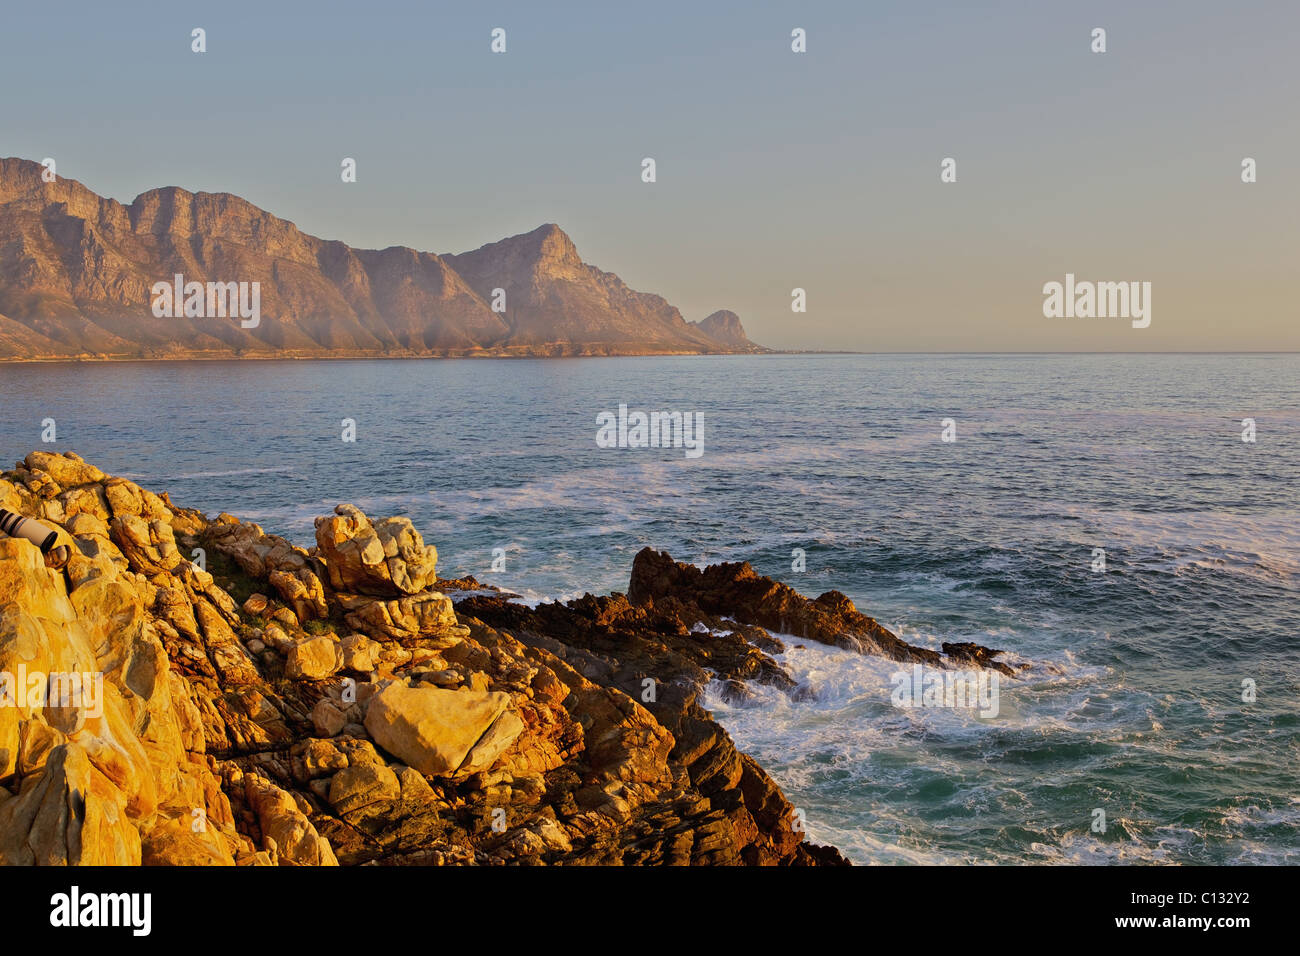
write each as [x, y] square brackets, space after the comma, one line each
[79, 271]
[554, 246]
[724, 326]
[25, 179]
[545, 250]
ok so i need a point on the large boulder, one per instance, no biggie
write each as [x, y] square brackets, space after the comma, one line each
[313, 659]
[386, 558]
[286, 831]
[67, 470]
[435, 730]
[72, 814]
[403, 619]
[103, 778]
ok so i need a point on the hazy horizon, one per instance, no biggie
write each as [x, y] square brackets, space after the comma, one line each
[775, 169]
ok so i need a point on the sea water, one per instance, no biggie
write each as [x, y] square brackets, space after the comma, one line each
[1136, 708]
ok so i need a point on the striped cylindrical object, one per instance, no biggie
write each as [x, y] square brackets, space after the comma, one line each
[16, 526]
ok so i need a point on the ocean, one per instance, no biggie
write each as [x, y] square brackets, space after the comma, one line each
[1140, 707]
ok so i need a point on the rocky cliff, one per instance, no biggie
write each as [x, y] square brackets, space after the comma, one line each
[246, 701]
[332, 705]
[724, 326]
[77, 270]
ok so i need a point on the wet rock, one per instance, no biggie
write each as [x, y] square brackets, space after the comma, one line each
[735, 589]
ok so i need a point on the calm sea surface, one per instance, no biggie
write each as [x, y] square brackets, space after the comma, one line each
[989, 538]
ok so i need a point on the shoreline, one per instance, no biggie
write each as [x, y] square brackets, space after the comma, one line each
[333, 706]
[362, 356]
[343, 704]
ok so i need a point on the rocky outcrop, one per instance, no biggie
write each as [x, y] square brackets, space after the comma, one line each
[388, 558]
[77, 272]
[735, 589]
[554, 298]
[290, 706]
[725, 326]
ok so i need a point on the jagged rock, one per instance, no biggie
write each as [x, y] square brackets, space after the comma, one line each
[737, 590]
[185, 841]
[87, 526]
[361, 786]
[233, 662]
[319, 758]
[978, 655]
[149, 546]
[87, 500]
[203, 754]
[127, 498]
[67, 470]
[387, 558]
[285, 829]
[68, 815]
[257, 553]
[405, 619]
[118, 762]
[303, 591]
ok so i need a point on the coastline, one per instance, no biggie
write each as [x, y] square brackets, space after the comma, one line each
[390, 356]
[344, 704]
[983, 572]
[334, 705]
[759, 353]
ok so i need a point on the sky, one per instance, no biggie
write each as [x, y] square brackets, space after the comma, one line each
[775, 170]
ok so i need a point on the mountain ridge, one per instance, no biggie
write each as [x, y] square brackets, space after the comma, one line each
[77, 272]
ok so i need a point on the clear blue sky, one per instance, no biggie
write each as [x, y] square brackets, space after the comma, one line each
[775, 169]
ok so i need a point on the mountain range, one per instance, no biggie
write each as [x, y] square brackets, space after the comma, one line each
[78, 274]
